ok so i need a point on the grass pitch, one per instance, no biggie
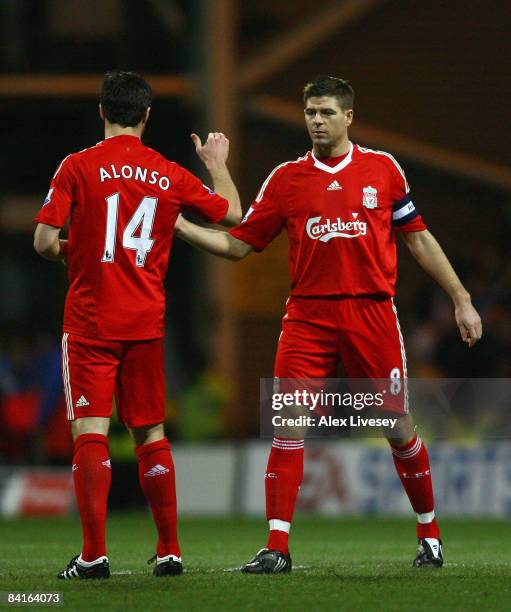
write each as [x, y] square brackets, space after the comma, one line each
[348, 564]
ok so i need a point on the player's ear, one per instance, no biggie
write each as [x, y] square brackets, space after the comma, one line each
[348, 117]
[146, 115]
[101, 113]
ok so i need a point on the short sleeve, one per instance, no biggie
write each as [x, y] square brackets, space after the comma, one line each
[405, 217]
[264, 219]
[57, 204]
[201, 199]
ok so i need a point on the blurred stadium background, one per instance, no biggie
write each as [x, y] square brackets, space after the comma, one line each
[432, 84]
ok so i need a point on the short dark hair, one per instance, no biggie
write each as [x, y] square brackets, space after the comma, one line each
[330, 86]
[125, 96]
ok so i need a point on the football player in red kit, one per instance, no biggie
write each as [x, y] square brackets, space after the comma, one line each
[122, 199]
[342, 206]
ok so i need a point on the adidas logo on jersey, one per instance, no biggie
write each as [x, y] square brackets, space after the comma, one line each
[81, 402]
[334, 186]
[157, 470]
[107, 463]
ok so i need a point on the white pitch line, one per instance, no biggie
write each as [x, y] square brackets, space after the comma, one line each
[297, 567]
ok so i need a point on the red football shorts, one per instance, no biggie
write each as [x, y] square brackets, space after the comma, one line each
[362, 334]
[95, 371]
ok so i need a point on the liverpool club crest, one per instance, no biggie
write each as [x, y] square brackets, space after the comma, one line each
[370, 197]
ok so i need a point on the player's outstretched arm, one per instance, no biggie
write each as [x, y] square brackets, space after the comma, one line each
[213, 241]
[48, 244]
[214, 153]
[432, 259]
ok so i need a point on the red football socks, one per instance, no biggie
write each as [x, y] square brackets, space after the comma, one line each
[412, 465]
[157, 479]
[92, 477]
[283, 478]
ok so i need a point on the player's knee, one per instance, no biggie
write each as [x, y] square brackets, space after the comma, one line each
[146, 435]
[292, 422]
[90, 425]
[403, 432]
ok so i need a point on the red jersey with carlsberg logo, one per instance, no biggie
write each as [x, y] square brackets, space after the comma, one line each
[122, 199]
[341, 222]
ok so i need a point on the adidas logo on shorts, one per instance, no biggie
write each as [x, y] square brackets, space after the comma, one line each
[334, 186]
[157, 470]
[81, 402]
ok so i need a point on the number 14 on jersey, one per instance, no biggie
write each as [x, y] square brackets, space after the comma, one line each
[142, 244]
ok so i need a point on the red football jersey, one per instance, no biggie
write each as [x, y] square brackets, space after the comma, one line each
[341, 222]
[122, 199]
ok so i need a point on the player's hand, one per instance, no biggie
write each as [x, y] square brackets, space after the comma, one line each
[469, 323]
[214, 152]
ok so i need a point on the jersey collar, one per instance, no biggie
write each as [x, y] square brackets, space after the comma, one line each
[333, 169]
[121, 137]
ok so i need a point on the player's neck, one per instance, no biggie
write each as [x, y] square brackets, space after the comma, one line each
[332, 151]
[113, 129]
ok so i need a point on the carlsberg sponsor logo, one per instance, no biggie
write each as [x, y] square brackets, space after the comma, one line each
[324, 230]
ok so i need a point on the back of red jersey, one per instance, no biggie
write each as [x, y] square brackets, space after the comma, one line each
[122, 199]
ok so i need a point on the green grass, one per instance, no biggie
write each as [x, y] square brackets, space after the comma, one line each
[348, 564]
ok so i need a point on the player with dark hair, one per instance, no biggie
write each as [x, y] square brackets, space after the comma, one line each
[342, 206]
[332, 87]
[122, 199]
[125, 98]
